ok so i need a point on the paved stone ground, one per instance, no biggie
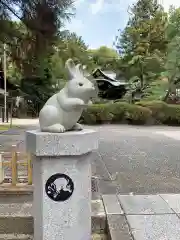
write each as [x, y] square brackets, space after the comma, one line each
[138, 159]
[143, 217]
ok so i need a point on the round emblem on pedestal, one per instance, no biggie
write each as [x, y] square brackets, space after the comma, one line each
[59, 187]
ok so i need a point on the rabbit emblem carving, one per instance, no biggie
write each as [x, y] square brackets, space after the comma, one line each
[62, 111]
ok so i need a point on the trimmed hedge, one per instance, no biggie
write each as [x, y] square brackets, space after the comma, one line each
[163, 113]
[154, 112]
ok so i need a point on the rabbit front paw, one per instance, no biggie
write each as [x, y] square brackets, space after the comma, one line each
[60, 128]
[56, 128]
[79, 103]
[77, 127]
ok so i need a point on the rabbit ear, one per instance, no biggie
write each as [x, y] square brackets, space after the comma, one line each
[79, 68]
[71, 67]
[84, 67]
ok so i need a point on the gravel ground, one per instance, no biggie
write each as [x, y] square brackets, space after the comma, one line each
[138, 159]
[130, 158]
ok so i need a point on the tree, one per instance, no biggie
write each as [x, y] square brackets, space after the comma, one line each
[173, 28]
[32, 40]
[73, 46]
[172, 63]
[38, 32]
[143, 44]
[147, 66]
[68, 46]
[145, 30]
[105, 58]
[44, 17]
[173, 66]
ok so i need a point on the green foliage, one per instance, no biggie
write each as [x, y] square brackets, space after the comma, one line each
[118, 112]
[149, 46]
[158, 108]
[105, 58]
[36, 90]
[145, 31]
[172, 65]
[37, 48]
[156, 90]
[70, 46]
[143, 46]
[44, 18]
[13, 73]
[163, 113]
[144, 112]
[173, 59]
[32, 40]
[173, 28]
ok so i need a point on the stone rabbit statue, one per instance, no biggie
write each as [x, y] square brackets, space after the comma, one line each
[62, 111]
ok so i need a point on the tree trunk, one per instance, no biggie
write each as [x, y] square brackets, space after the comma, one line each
[141, 75]
[167, 95]
[170, 90]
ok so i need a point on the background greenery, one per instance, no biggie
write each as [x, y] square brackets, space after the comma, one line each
[145, 112]
[146, 52]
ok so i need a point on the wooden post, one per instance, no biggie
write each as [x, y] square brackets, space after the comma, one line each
[11, 113]
[1, 169]
[29, 162]
[5, 90]
[14, 167]
[3, 115]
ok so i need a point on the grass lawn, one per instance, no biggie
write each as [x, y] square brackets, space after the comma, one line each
[6, 127]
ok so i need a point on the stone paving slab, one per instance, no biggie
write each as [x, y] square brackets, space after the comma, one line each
[15, 237]
[155, 227]
[99, 220]
[13, 132]
[17, 218]
[144, 204]
[146, 217]
[173, 200]
[30, 237]
[171, 134]
[112, 205]
[116, 222]
[118, 228]
[16, 209]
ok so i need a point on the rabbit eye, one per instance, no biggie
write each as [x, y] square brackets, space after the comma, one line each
[81, 84]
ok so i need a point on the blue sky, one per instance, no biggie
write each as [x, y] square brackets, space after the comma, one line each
[98, 21]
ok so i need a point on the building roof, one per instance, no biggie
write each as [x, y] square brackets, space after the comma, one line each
[115, 83]
[105, 74]
[108, 76]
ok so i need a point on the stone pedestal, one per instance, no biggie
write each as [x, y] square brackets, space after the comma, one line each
[62, 183]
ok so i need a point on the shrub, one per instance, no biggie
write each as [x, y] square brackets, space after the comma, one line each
[172, 115]
[137, 114]
[96, 114]
[163, 113]
[158, 109]
[140, 113]
[118, 112]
